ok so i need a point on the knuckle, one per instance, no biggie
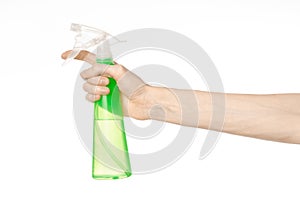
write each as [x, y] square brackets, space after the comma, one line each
[83, 75]
[85, 86]
[101, 81]
[117, 65]
[95, 69]
[90, 80]
[96, 90]
[105, 81]
[90, 97]
[87, 97]
[120, 68]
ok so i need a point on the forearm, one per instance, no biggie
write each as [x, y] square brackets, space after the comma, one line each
[270, 117]
[273, 117]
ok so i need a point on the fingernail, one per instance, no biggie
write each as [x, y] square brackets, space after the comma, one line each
[104, 81]
[105, 89]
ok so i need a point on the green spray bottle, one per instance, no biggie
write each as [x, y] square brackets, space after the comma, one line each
[110, 152]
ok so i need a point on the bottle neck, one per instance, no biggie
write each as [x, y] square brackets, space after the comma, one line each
[103, 52]
[108, 61]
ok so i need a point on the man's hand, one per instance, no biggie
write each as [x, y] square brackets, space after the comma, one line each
[134, 90]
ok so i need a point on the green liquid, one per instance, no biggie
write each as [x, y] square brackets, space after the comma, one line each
[110, 152]
[110, 159]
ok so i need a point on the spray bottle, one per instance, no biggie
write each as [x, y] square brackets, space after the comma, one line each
[110, 152]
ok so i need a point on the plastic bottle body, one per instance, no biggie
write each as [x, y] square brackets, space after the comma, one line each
[110, 152]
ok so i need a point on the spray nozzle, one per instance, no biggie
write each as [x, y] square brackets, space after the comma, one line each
[88, 37]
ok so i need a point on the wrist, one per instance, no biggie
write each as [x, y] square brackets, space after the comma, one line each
[141, 103]
[177, 106]
[162, 104]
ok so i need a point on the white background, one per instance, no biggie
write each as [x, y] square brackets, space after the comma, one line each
[254, 44]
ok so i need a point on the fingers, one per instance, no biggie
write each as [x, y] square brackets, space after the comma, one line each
[83, 56]
[92, 98]
[95, 87]
[114, 71]
[95, 90]
[98, 81]
[97, 70]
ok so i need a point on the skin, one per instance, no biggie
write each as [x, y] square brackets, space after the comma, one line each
[274, 117]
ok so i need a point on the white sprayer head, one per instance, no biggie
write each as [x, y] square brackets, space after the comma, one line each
[86, 37]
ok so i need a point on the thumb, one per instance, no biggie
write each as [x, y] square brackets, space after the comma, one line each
[129, 84]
